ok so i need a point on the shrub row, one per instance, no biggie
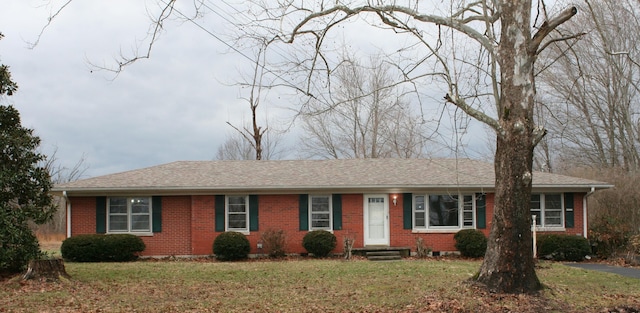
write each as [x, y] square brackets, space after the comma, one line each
[102, 248]
[562, 247]
[558, 247]
[230, 245]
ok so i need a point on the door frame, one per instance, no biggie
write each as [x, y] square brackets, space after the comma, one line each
[387, 236]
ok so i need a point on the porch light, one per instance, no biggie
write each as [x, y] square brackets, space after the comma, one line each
[395, 200]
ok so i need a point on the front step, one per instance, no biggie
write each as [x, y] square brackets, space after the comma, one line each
[388, 255]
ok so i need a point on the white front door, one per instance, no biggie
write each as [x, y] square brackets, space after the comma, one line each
[376, 220]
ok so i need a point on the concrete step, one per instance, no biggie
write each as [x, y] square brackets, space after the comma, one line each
[386, 255]
[384, 258]
[404, 251]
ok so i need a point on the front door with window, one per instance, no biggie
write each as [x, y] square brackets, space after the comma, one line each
[376, 220]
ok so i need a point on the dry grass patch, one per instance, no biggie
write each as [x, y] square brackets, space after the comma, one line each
[307, 286]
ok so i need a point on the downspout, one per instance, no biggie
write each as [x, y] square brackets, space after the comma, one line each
[68, 208]
[584, 211]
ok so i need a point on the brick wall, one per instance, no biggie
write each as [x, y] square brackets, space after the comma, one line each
[83, 215]
[401, 237]
[352, 221]
[173, 240]
[188, 223]
[278, 212]
[202, 224]
[176, 224]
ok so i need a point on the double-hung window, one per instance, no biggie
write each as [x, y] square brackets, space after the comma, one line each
[320, 212]
[237, 213]
[548, 209]
[443, 211]
[129, 215]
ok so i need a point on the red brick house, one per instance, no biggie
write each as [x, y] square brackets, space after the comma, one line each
[179, 208]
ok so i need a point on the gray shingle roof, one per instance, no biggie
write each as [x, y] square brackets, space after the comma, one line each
[370, 175]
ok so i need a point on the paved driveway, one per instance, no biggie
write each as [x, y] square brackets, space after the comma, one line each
[623, 271]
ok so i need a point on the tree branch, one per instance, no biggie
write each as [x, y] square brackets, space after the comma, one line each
[453, 23]
[480, 116]
[548, 26]
[32, 45]
[546, 44]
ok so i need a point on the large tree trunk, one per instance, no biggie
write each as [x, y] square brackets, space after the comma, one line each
[508, 265]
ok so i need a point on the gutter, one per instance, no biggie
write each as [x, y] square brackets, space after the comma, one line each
[584, 211]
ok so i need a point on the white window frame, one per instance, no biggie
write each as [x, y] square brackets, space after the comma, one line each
[227, 214]
[130, 214]
[543, 226]
[330, 201]
[461, 210]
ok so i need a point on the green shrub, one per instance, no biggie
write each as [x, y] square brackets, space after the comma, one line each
[319, 242]
[562, 247]
[274, 242]
[102, 248]
[230, 246]
[18, 245]
[471, 243]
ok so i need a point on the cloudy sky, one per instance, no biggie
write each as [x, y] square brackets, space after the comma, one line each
[173, 106]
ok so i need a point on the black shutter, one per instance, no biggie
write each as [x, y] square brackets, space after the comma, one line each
[568, 210]
[481, 211]
[101, 215]
[253, 212]
[219, 211]
[337, 212]
[156, 214]
[407, 210]
[303, 212]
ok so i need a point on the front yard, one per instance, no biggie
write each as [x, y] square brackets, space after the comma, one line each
[308, 286]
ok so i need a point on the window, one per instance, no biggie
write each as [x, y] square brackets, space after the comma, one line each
[238, 213]
[320, 212]
[548, 209]
[129, 214]
[443, 211]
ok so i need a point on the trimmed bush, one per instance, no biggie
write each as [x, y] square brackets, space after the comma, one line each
[319, 242]
[102, 248]
[471, 243]
[274, 242]
[562, 247]
[231, 246]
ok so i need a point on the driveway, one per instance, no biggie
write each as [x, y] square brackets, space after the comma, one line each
[623, 271]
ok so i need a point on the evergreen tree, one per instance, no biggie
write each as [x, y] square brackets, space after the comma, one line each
[24, 186]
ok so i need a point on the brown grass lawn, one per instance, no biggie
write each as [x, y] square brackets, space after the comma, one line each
[308, 285]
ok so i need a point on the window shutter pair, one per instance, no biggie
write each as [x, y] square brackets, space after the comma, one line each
[101, 214]
[220, 214]
[303, 211]
[407, 211]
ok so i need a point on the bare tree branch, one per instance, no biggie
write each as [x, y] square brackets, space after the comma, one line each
[53, 16]
[548, 26]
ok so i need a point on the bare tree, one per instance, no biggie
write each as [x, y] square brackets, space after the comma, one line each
[253, 134]
[365, 118]
[593, 98]
[501, 73]
[237, 147]
[481, 53]
[59, 174]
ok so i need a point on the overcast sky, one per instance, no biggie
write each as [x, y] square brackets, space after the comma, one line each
[173, 106]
